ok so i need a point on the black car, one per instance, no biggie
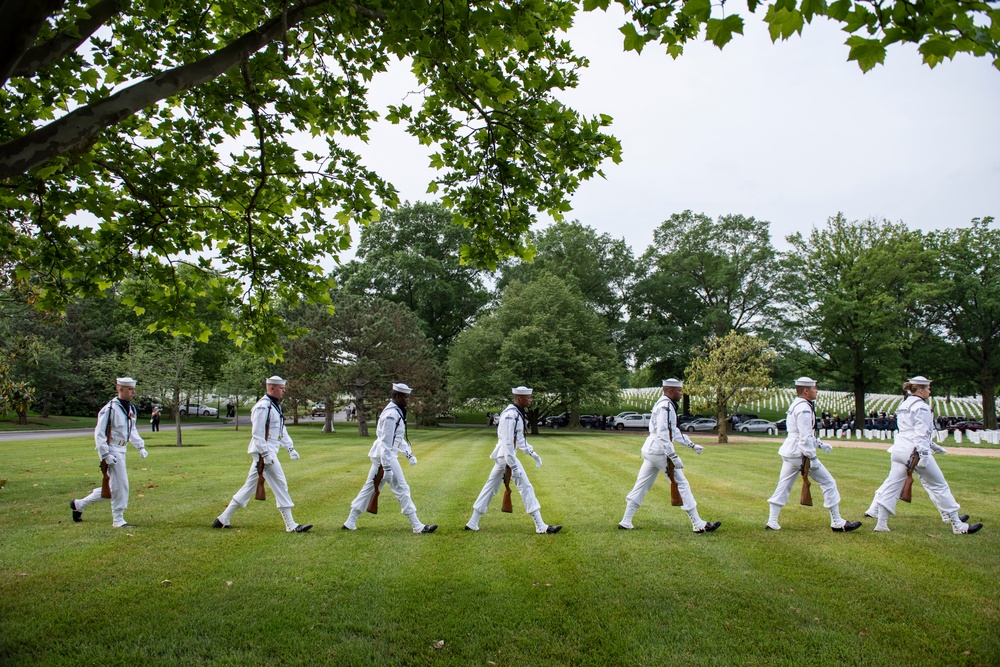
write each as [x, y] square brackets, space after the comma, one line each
[589, 421]
[558, 421]
[782, 426]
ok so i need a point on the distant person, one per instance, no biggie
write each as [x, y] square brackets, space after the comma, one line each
[154, 419]
[510, 437]
[800, 445]
[658, 453]
[390, 441]
[915, 422]
[267, 434]
[115, 429]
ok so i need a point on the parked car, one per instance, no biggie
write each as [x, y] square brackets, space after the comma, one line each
[195, 409]
[701, 424]
[781, 425]
[757, 426]
[970, 425]
[684, 419]
[621, 415]
[144, 404]
[588, 421]
[632, 421]
[558, 421]
[318, 410]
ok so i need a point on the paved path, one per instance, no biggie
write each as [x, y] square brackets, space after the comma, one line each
[6, 436]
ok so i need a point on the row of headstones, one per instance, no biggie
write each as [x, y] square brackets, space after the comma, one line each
[975, 437]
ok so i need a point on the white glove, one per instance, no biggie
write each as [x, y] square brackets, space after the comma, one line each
[110, 459]
[413, 459]
[538, 459]
[698, 449]
[826, 447]
[103, 451]
[938, 449]
[268, 460]
[387, 475]
[922, 462]
[677, 461]
[143, 453]
[294, 455]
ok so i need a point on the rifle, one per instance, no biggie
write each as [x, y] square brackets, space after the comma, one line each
[906, 493]
[506, 505]
[806, 498]
[106, 480]
[260, 495]
[373, 503]
[675, 494]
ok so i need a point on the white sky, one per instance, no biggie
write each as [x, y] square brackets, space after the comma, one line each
[790, 133]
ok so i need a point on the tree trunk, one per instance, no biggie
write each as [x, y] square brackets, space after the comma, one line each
[328, 420]
[22, 417]
[236, 412]
[685, 404]
[987, 387]
[46, 408]
[720, 418]
[533, 418]
[177, 416]
[859, 403]
[359, 405]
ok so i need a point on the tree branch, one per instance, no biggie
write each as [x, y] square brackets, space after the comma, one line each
[20, 23]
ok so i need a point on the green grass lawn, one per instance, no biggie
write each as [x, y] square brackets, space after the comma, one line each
[173, 591]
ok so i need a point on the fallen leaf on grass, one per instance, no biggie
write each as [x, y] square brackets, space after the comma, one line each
[439, 644]
[23, 574]
[166, 581]
[129, 535]
[490, 662]
[966, 652]
[229, 583]
[151, 486]
[49, 461]
[863, 633]
[934, 536]
[36, 511]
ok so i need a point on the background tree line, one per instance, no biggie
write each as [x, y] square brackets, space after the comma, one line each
[857, 304]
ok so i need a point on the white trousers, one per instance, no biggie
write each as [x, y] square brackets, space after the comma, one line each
[275, 478]
[118, 482]
[398, 486]
[817, 472]
[495, 481]
[931, 477]
[652, 466]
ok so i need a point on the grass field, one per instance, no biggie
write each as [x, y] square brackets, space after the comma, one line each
[173, 591]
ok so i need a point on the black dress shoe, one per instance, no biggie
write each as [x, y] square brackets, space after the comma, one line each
[77, 516]
[709, 527]
[429, 529]
[974, 528]
[964, 518]
[303, 529]
[125, 525]
[552, 530]
[219, 524]
[847, 527]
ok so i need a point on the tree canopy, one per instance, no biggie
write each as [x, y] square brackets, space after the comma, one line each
[135, 137]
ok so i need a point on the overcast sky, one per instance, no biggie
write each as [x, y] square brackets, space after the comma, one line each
[790, 133]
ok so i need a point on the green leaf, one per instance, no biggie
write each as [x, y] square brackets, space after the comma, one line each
[633, 41]
[699, 10]
[936, 49]
[782, 23]
[867, 52]
[720, 31]
[811, 8]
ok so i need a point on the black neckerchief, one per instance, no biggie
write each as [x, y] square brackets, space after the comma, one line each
[276, 404]
[812, 406]
[524, 421]
[126, 407]
[402, 413]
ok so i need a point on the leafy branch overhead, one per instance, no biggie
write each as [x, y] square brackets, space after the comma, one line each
[138, 139]
[941, 29]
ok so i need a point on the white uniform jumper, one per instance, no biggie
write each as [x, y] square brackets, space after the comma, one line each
[123, 431]
[510, 438]
[659, 446]
[390, 440]
[916, 424]
[267, 434]
[802, 441]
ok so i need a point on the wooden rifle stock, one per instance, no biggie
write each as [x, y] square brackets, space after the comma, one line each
[260, 495]
[906, 493]
[675, 494]
[373, 503]
[506, 505]
[105, 479]
[806, 498]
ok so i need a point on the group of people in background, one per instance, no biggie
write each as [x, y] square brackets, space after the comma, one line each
[912, 453]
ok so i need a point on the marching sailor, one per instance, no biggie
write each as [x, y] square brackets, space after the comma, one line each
[510, 438]
[390, 440]
[916, 423]
[116, 427]
[800, 444]
[658, 453]
[267, 434]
